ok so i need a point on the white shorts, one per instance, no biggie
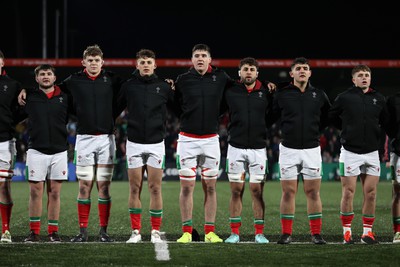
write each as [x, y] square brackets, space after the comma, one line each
[40, 166]
[352, 164]
[138, 155]
[198, 152]
[253, 161]
[395, 168]
[292, 162]
[8, 152]
[94, 149]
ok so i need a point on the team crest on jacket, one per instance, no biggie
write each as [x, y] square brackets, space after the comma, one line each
[374, 101]
[314, 94]
[214, 78]
[5, 87]
[105, 79]
[158, 90]
[61, 99]
[260, 94]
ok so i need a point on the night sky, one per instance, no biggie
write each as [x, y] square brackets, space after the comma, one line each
[279, 29]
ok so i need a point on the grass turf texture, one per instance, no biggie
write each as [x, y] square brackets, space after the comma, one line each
[247, 253]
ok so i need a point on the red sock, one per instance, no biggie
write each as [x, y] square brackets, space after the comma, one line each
[315, 226]
[155, 222]
[235, 227]
[104, 208]
[396, 224]
[259, 228]
[187, 228]
[346, 219]
[287, 225]
[52, 228]
[209, 227]
[83, 212]
[5, 210]
[135, 221]
[368, 221]
[34, 225]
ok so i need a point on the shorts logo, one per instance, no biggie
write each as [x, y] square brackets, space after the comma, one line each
[32, 172]
[262, 167]
[64, 172]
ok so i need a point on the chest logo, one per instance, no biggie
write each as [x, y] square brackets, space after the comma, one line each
[158, 90]
[214, 78]
[5, 87]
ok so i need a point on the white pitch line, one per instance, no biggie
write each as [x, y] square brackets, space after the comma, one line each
[161, 249]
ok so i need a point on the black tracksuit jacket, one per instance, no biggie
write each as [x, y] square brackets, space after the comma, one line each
[9, 90]
[47, 120]
[247, 115]
[198, 99]
[359, 116]
[94, 101]
[147, 99]
[393, 123]
[302, 115]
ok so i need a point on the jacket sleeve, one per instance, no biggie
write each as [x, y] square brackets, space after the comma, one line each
[116, 87]
[269, 114]
[275, 111]
[390, 126]
[64, 85]
[177, 107]
[334, 114]
[120, 101]
[324, 121]
[171, 100]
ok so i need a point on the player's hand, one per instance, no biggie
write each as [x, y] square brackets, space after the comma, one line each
[22, 97]
[171, 83]
[271, 86]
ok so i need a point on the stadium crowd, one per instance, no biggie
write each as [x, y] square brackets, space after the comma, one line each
[329, 141]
